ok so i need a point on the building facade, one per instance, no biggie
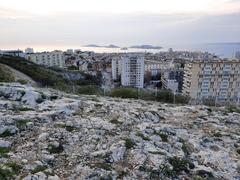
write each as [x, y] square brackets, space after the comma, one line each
[217, 79]
[49, 59]
[237, 55]
[132, 70]
[172, 79]
[116, 68]
[13, 53]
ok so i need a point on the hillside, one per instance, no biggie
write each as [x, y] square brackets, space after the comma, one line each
[5, 75]
[8, 74]
[51, 135]
[51, 77]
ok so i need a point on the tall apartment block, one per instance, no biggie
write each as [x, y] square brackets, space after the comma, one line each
[218, 79]
[116, 68]
[237, 55]
[54, 58]
[132, 70]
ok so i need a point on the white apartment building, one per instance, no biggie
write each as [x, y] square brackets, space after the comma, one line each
[156, 67]
[13, 53]
[132, 70]
[50, 59]
[116, 68]
[237, 55]
[217, 79]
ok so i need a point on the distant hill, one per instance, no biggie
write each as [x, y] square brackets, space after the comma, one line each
[92, 45]
[109, 46]
[146, 47]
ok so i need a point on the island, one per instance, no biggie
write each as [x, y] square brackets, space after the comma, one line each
[146, 47]
[109, 46]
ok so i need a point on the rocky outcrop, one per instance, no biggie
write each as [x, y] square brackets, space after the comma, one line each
[64, 136]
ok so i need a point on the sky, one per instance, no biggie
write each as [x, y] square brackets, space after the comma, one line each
[72, 23]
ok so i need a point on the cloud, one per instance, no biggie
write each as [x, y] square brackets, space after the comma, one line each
[75, 29]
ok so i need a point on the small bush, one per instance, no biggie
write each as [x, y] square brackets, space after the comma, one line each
[16, 168]
[22, 81]
[129, 143]
[4, 151]
[39, 168]
[163, 136]
[22, 122]
[115, 121]
[89, 90]
[179, 164]
[6, 133]
[70, 128]
[142, 136]
[55, 150]
[124, 93]
[25, 109]
[53, 97]
[232, 109]
[105, 166]
[209, 101]
[6, 173]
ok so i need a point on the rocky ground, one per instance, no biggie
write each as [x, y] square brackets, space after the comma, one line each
[46, 134]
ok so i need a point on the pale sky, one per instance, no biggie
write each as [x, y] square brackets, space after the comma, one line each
[122, 22]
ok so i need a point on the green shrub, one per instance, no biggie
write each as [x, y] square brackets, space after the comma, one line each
[39, 168]
[22, 122]
[5, 76]
[22, 81]
[209, 101]
[6, 133]
[25, 109]
[6, 173]
[55, 150]
[232, 109]
[105, 166]
[4, 151]
[16, 168]
[70, 128]
[178, 164]
[53, 97]
[115, 121]
[129, 143]
[163, 136]
[89, 90]
[124, 93]
[142, 136]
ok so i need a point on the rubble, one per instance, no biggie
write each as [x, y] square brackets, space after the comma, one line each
[90, 137]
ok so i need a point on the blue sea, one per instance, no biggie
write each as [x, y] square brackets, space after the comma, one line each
[223, 50]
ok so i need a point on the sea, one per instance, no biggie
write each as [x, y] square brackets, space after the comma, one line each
[223, 50]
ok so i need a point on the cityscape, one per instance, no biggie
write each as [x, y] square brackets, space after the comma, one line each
[154, 92]
[201, 76]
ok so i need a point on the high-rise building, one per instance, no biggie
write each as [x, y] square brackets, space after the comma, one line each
[237, 55]
[216, 79]
[116, 68]
[132, 70]
[50, 59]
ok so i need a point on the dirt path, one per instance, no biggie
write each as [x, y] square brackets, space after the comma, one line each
[19, 75]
